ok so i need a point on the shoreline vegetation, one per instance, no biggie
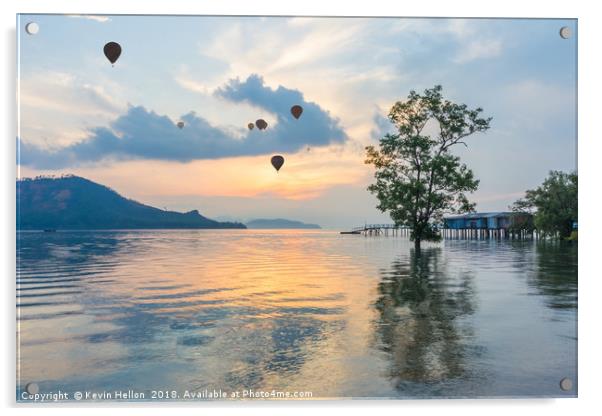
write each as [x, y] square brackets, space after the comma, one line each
[554, 205]
[419, 181]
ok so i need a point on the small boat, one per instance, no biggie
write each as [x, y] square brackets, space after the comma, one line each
[351, 232]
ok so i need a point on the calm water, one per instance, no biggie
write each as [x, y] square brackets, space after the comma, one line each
[308, 311]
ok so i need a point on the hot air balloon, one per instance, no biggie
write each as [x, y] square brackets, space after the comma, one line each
[112, 51]
[261, 124]
[296, 111]
[277, 162]
[250, 126]
[180, 124]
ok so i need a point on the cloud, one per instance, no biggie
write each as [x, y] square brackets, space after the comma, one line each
[382, 125]
[58, 107]
[479, 49]
[144, 134]
[100, 19]
[315, 125]
[320, 57]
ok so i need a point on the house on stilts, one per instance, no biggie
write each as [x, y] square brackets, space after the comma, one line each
[489, 225]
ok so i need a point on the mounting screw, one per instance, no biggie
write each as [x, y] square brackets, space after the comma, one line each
[565, 32]
[32, 388]
[566, 384]
[32, 28]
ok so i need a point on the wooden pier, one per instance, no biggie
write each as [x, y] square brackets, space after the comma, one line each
[475, 226]
[392, 230]
[380, 229]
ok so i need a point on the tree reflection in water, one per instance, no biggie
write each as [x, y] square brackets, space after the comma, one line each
[420, 307]
[555, 275]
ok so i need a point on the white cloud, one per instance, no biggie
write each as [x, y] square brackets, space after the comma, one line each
[341, 63]
[334, 62]
[461, 28]
[479, 49]
[100, 19]
[192, 85]
[323, 39]
[59, 107]
[286, 47]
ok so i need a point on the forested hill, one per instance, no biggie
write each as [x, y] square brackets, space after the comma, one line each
[72, 202]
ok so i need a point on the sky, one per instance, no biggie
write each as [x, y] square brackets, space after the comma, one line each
[116, 124]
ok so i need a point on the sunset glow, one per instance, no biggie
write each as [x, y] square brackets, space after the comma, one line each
[116, 124]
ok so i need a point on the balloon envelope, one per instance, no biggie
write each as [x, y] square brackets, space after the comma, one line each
[261, 124]
[180, 124]
[277, 162]
[296, 111]
[250, 126]
[112, 51]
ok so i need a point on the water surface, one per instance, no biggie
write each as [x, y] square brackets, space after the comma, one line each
[308, 311]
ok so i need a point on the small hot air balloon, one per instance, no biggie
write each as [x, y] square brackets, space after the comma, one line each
[277, 162]
[250, 126]
[261, 124]
[112, 51]
[180, 124]
[296, 111]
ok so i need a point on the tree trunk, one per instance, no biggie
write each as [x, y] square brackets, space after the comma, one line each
[417, 245]
[567, 229]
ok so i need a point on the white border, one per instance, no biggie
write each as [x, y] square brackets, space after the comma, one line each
[590, 275]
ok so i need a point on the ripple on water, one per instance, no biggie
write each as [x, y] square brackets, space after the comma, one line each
[338, 315]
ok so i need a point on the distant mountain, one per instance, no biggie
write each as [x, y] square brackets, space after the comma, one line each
[228, 218]
[280, 223]
[72, 202]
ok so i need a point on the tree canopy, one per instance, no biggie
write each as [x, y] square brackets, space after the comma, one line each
[418, 179]
[553, 203]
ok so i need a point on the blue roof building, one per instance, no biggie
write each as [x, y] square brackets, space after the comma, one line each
[488, 221]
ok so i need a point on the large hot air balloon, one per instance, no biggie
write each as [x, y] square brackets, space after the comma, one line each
[112, 51]
[296, 111]
[180, 124]
[250, 126]
[261, 124]
[277, 162]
